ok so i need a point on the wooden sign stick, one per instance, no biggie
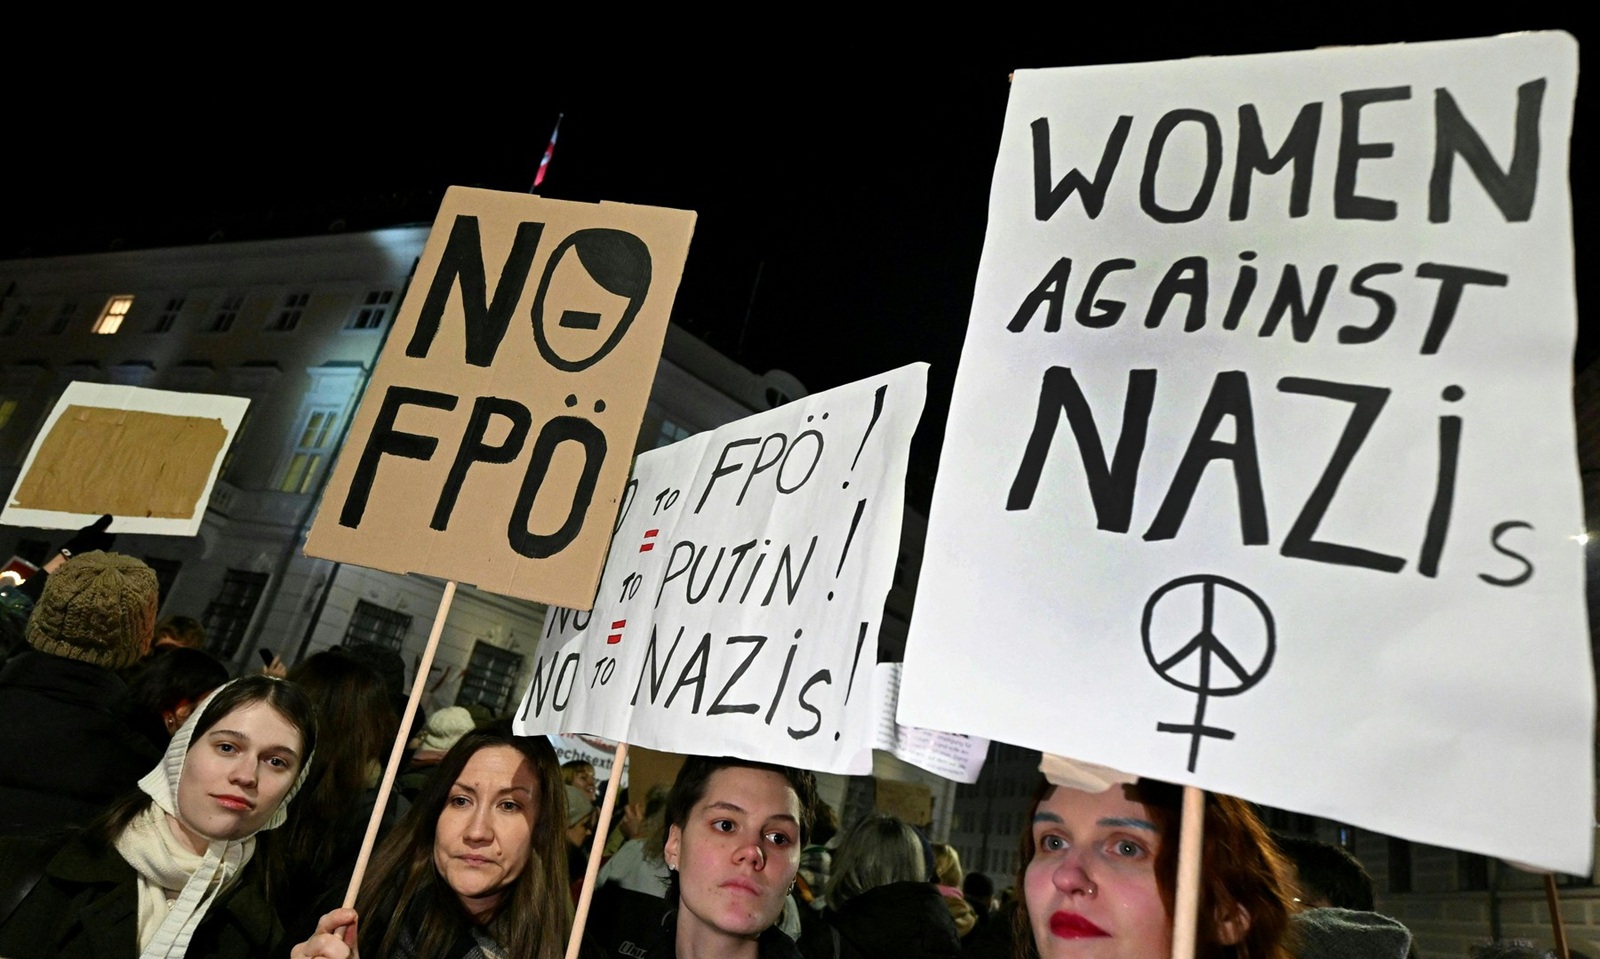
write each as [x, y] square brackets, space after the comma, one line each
[608, 805]
[1186, 907]
[418, 686]
[1560, 931]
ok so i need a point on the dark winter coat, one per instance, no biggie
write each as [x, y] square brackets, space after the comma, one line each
[68, 750]
[773, 944]
[85, 905]
[903, 920]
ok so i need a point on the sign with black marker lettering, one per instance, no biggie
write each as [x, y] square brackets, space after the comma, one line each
[494, 440]
[739, 610]
[1260, 472]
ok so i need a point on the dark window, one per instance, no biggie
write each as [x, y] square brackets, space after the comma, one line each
[228, 616]
[1399, 865]
[371, 623]
[227, 312]
[490, 679]
[166, 574]
[294, 307]
[17, 315]
[670, 433]
[64, 317]
[169, 315]
[1472, 872]
[373, 311]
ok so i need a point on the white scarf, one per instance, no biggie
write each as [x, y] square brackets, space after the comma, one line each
[166, 866]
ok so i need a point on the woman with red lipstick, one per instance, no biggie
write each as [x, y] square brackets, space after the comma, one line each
[735, 829]
[1099, 869]
[169, 871]
[476, 869]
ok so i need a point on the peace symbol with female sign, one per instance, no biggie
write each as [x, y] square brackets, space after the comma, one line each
[1229, 652]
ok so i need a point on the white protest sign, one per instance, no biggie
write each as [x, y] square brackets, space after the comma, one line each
[1259, 473]
[739, 609]
[148, 457]
[597, 752]
[951, 755]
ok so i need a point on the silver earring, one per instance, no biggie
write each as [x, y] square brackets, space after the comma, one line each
[672, 866]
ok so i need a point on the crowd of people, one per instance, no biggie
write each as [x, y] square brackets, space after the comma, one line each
[154, 807]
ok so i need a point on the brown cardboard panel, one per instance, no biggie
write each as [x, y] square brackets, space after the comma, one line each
[472, 447]
[912, 802]
[648, 768]
[123, 462]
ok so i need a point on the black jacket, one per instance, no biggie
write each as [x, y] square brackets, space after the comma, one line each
[903, 920]
[773, 944]
[68, 750]
[85, 905]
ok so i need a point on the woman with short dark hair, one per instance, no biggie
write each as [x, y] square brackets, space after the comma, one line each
[735, 829]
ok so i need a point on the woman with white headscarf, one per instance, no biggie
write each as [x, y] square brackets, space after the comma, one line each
[164, 872]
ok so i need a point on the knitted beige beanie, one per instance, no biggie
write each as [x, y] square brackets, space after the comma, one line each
[98, 607]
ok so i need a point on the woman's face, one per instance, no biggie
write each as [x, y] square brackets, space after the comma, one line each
[485, 831]
[1091, 886]
[236, 774]
[583, 779]
[736, 856]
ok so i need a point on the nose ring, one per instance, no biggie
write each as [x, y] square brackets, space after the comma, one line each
[762, 855]
[1092, 889]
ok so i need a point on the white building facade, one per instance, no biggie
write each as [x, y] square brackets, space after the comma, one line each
[295, 326]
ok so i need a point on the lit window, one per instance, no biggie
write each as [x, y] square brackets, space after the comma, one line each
[306, 459]
[169, 315]
[64, 317]
[227, 312]
[294, 307]
[112, 316]
[374, 310]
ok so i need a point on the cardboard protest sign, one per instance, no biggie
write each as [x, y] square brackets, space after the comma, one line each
[1259, 473]
[739, 610]
[909, 802]
[147, 457]
[494, 440]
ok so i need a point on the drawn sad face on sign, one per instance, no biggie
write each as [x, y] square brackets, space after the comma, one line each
[592, 288]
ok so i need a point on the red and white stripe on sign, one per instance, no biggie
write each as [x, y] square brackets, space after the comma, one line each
[616, 637]
[649, 536]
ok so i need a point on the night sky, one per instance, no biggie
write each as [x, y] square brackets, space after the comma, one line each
[841, 179]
